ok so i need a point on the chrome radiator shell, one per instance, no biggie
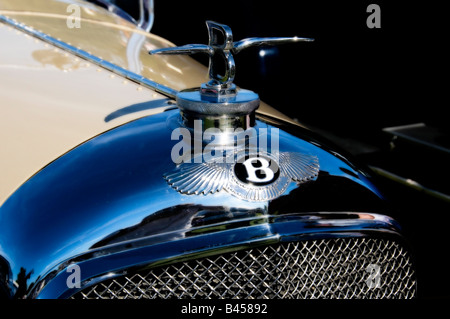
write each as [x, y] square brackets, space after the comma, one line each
[106, 207]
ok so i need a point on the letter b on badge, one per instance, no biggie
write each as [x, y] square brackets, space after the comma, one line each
[263, 168]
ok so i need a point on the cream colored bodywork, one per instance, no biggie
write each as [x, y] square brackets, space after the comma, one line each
[51, 101]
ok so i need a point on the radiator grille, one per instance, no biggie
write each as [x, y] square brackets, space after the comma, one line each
[329, 268]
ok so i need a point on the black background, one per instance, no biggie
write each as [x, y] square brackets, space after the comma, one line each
[351, 78]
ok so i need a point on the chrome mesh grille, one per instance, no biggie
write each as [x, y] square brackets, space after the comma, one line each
[329, 268]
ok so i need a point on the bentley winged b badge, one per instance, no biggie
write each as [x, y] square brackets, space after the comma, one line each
[257, 177]
[246, 169]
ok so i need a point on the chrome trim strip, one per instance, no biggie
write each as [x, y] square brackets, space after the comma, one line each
[91, 58]
[410, 183]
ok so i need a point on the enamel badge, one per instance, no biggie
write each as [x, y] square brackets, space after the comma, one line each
[252, 177]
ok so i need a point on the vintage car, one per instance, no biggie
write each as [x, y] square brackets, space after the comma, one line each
[129, 170]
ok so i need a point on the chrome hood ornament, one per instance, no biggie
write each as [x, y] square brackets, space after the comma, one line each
[219, 99]
[249, 170]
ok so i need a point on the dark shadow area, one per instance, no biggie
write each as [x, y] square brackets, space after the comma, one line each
[353, 80]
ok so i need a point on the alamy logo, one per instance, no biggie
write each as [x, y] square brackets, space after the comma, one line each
[374, 278]
[374, 19]
[219, 146]
[74, 279]
[74, 19]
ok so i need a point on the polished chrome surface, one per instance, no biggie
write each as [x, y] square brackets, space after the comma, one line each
[243, 103]
[91, 58]
[251, 42]
[316, 269]
[241, 121]
[185, 49]
[222, 113]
